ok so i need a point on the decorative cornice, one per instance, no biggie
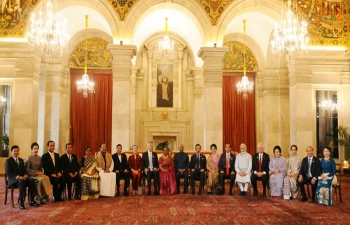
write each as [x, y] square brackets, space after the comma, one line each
[122, 7]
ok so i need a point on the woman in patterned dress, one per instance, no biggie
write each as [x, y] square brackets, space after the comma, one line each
[90, 188]
[290, 188]
[278, 167]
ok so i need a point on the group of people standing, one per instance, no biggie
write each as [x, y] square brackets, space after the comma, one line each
[100, 174]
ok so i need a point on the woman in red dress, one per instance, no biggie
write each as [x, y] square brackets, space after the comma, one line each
[135, 165]
[167, 173]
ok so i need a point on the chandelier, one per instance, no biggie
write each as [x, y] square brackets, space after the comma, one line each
[48, 36]
[290, 35]
[245, 87]
[165, 45]
[328, 105]
[85, 85]
[2, 102]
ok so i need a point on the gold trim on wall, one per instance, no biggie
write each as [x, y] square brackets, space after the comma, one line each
[214, 8]
[122, 7]
[98, 56]
[233, 60]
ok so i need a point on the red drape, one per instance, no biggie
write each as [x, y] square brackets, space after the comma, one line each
[238, 114]
[91, 117]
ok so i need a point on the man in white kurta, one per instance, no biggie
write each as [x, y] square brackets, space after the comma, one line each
[243, 168]
[105, 165]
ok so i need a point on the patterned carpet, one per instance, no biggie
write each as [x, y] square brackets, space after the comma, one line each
[179, 209]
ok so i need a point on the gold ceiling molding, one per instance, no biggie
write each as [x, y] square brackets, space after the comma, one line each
[233, 60]
[328, 21]
[98, 56]
[14, 15]
[122, 7]
[214, 8]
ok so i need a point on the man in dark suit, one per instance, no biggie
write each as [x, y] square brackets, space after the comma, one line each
[52, 166]
[198, 166]
[17, 174]
[121, 170]
[181, 163]
[227, 169]
[260, 168]
[151, 167]
[71, 168]
[310, 170]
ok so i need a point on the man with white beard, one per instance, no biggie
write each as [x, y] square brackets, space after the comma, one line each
[243, 168]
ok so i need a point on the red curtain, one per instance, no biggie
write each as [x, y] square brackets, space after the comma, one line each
[91, 117]
[238, 114]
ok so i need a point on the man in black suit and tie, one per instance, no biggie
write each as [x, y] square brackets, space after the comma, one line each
[227, 168]
[181, 163]
[121, 170]
[71, 168]
[310, 170]
[52, 166]
[151, 167]
[198, 166]
[17, 174]
[260, 168]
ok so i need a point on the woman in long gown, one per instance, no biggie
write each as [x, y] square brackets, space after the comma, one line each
[278, 167]
[324, 184]
[90, 188]
[40, 185]
[167, 173]
[212, 168]
[135, 165]
[290, 188]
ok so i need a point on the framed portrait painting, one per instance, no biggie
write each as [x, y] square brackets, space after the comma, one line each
[165, 80]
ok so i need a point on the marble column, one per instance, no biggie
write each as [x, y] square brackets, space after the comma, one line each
[212, 104]
[122, 102]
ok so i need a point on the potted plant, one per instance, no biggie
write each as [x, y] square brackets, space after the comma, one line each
[5, 143]
[344, 139]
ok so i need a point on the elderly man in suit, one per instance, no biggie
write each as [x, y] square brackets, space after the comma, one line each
[181, 162]
[52, 166]
[198, 166]
[151, 167]
[260, 168]
[121, 169]
[227, 168]
[71, 168]
[17, 174]
[310, 170]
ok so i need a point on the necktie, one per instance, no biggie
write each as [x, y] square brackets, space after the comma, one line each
[150, 161]
[17, 162]
[309, 169]
[53, 158]
[260, 163]
[70, 158]
[227, 165]
[197, 166]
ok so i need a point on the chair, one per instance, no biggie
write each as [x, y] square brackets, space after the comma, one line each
[197, 180]
[337, 185]
[267, 185]
[12, 187]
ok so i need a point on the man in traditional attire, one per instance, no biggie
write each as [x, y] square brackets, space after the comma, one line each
[105, 166]
[243, 169]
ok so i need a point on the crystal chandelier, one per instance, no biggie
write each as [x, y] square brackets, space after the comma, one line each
[2, 102]
[290, 35]
[245, 87]
[85, 85]
[48, 36]
[165, 45]
[328, 105]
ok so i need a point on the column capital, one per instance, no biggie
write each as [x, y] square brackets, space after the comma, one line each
[122, 55]
[124, 50]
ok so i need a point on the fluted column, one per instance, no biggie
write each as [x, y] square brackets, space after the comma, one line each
[212, 105]
[121, 100]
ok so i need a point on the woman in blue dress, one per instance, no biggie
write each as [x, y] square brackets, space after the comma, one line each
[324, 184]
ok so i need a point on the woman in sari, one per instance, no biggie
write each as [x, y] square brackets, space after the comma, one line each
[135, 165]
[212, 168]
[324, 184]
[89, 177]
[167, 173]
[278, 167]
[290, 188]
[39, 184]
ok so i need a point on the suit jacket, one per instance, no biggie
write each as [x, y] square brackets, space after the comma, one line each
[13, 170]
[48, 166]
[120, 165]
[145, 160]
[265, 163]
[316, 168]
[202, 162]
[69, 167]
[222, 162]
[181, 161]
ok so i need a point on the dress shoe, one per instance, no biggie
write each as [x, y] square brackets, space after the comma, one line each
[185, 191]
[200, 191]
[76, 197]
[33, 203]
[21, 206]
[264, 194]
[117, 194]
[303, 199]
[245, 193]
[126, 193]
[193, 191]
[255, 193]
[230, 194]
[69, 199]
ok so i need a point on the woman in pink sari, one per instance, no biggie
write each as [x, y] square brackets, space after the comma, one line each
[167, 173]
